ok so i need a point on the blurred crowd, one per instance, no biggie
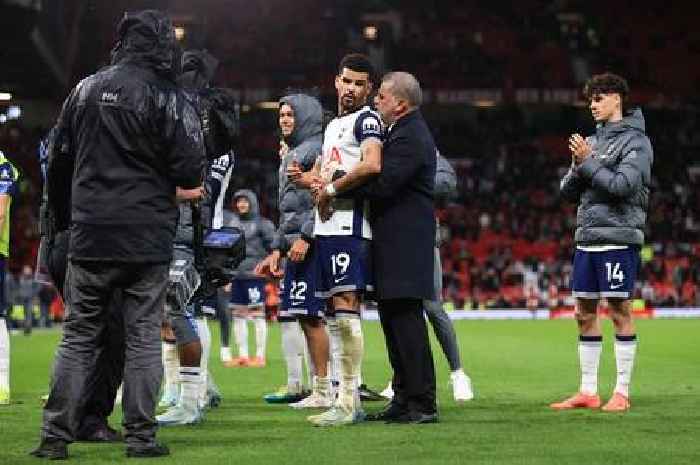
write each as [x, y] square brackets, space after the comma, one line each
[506, 238]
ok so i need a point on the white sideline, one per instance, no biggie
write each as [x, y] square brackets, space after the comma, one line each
[523, 314]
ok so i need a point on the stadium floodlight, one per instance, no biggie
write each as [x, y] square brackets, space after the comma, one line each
[180, 33]
[484, 103]
[5, 96]
[268, 105]
[14, 112]
[370, 32]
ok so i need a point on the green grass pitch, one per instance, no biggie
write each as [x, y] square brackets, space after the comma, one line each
[518, 367]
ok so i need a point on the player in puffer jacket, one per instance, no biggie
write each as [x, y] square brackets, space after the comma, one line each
[609, 177]
[301, 126]
[248, 288]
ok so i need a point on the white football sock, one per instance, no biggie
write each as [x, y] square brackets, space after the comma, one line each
[225, 354]
[190, 379]
[322, 386]
[4, 357]
[625, 351]
[293, 350]
[171, 365]
[334, 353]
[351, 352]
[589, 349]
[205, 339]
[260, 336]
[240, 332]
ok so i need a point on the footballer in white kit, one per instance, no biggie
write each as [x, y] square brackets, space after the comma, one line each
[343, 255]
[352, 146]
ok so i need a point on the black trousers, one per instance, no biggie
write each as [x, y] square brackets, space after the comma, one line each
[109, 368]
[91, 290]
[407, 342]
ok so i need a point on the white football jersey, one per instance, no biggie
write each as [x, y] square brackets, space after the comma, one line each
[341, 152]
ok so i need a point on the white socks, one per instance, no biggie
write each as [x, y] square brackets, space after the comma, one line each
[260, 336]
[351, 352]
[625, 351]
[321, 386]
[171, 365]
[334, 352]
[205, 339]
[190, 380]
[240, 333]
[589, 349]
[4, 359]
[225, 354]
[293, 350]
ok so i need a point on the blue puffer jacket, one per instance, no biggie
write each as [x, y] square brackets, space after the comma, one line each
[305, 145]
[612, 185]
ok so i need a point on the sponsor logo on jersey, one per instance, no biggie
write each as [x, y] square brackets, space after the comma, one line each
[335, 155]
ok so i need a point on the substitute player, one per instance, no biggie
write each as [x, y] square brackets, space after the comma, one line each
[609, 177]
[352, 146]
[247, 288]
[301, 127]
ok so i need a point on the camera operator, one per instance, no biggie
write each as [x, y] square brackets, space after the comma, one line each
[52, 261]
[126, 139]
[186, 295]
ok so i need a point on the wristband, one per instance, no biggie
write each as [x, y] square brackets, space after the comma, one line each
[330, 189]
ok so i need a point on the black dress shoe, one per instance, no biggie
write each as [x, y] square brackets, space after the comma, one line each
[101, 434]
[368, 395]
[415, 417]
[390, 411]
[52, 449]
[156, 450]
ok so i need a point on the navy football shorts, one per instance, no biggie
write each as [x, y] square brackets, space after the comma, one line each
[248, 292]
[297, 289]
[609, 273]
[343, 263]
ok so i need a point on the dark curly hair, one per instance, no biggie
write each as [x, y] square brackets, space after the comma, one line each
[357, 62]
[606, 83]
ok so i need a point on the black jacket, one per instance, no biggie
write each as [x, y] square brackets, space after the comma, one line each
[198, 68]
[126, 138]
[402, 215]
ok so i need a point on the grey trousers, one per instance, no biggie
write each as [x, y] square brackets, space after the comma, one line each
[442, 325]
[90, 289]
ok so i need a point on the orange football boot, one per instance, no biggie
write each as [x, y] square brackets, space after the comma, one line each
[257, 362]
[237, 362]
[617, 403]
[579, 400]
